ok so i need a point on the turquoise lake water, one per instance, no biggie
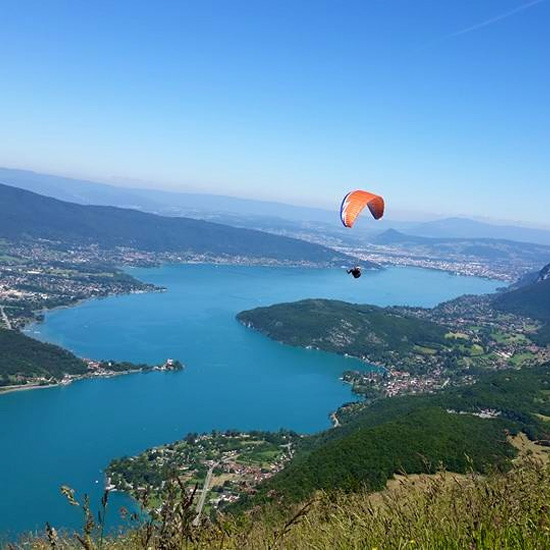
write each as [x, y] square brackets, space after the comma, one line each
[235, 378]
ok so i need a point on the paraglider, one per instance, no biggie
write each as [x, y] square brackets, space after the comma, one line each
[352, 205]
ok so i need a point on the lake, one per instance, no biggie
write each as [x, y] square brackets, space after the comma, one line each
[235, 378]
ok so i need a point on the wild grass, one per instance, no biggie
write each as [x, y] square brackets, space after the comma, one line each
[443, 511]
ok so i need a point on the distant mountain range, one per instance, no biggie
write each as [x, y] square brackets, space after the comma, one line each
[27, 215]
[263, 215]
[156, 201]
[470, 229]
[490, 249]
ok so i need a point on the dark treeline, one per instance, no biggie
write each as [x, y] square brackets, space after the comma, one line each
[28, 358]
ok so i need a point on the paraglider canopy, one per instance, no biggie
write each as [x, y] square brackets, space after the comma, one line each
[355, 201]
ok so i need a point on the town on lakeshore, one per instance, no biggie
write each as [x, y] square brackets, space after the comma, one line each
[478, 337]
[225, 465]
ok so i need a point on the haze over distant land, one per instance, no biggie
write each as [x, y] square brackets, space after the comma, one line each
[26, 217]
[438, 106]
[257, 214]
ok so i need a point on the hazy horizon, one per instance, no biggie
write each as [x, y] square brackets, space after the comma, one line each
[394, 215]
[440, 108]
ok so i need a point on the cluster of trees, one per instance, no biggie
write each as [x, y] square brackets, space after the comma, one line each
[542, 337]
[25, 357]
[140, 471]
[123, 366]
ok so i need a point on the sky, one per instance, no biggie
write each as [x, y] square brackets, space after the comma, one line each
[442, 106]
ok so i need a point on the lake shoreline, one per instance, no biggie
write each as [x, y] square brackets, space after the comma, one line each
[41, 312]
[236, 379]
[161, 289]
[29, 387]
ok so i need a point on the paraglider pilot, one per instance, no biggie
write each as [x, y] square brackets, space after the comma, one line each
[352, 205]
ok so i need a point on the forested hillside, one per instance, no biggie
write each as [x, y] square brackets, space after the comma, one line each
[359, 330]
[420, 441]
[531, 300]
[418, 434]
[22, 357]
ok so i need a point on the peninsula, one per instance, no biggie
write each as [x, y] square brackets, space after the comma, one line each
[26, 363]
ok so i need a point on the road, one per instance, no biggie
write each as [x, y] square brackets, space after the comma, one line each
[335, 421]
[204, 493]
[5, 318]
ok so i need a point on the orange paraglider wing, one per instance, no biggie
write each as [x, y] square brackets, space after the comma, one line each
[355, 201]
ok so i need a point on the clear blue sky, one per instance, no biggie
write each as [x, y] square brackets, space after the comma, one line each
[443, 106]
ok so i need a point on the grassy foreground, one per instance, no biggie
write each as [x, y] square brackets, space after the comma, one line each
[444, 511]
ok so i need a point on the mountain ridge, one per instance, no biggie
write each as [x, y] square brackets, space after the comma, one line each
[460, 227]
[26, 215]
[531, 299]
[234, 210]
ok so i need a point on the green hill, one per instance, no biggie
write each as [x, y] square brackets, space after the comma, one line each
[22, 357]
[418, 434]
[26, 215]
[359, 330]
[532, 300]
[420, 441]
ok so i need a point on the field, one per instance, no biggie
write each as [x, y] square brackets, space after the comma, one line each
[439, 512]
